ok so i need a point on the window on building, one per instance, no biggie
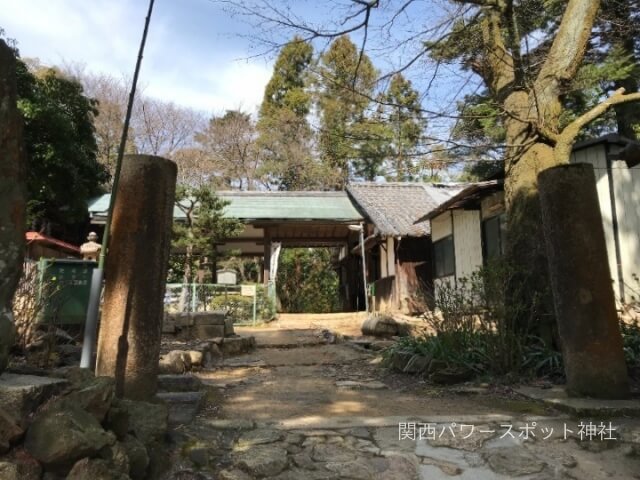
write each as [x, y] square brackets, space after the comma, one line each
[493, 237]
[443, 257]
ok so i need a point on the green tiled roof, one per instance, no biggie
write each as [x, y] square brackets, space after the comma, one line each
[286, 206]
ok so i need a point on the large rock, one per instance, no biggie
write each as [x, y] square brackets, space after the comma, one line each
[262, 460]
[21, 395]
[203, 332]
[58, 438]
[174, 362]
[10, 431]
[12, 197]
[147, 421]
[95, 469]
[117, 420]
[237, 345]
[94, 396]
[514, 462]
[76, 375]
[138, 457]
[216, 317]
[117, 456]
[20, 466]
[380, 326]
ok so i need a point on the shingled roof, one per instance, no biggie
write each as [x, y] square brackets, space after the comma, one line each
[394, 207]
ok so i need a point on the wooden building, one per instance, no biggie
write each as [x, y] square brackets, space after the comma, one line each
[468, 228]
[398, 249]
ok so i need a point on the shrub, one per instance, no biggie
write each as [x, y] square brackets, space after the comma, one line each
[31, 299]
[474, 330]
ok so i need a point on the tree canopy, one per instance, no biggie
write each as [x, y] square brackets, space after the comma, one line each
[63, 171]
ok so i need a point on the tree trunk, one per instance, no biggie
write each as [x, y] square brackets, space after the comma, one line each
[528, 296]
[12, 198]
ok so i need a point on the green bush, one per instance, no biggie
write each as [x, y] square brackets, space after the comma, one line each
[631, 341]
[474, 329]
[307, 281]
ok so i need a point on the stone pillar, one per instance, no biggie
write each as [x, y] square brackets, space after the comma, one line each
[12, 198]
[581, 283]
[136, 270]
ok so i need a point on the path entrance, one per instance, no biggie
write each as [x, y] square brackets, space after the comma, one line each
[302, 407]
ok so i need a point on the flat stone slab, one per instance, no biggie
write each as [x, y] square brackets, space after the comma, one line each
[329, 423]
[228, 424]
[557, 397]
[183, 406]
[361, 385]
[22, 394]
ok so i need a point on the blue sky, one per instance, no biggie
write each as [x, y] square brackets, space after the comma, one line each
[200, 56]
[194, 56]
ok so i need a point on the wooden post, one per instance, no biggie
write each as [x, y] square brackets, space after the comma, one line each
[136, 271]
[267, 256]
[581, 283]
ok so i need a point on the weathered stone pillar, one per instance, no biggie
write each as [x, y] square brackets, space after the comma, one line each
[12, 198]
[136, 270]
[581, 283]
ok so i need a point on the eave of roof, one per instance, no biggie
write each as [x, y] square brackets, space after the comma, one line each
[462, 198]
[331, 207]
[611, 138]
[36, 237]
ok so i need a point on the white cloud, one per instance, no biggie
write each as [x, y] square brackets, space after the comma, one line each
[185, 67]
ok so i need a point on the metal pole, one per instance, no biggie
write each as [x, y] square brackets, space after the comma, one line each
[91, 325]
[364, 270]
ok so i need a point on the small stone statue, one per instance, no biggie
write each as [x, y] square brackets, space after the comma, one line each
[91, 249]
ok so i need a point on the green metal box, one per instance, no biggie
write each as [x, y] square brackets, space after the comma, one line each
[71, 283]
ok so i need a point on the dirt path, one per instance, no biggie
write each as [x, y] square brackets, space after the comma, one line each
[300, 408]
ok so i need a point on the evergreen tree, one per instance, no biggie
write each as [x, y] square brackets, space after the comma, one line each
[407, 125]
[285, 136]
[204, 226]
[63, 172]
[345, 88]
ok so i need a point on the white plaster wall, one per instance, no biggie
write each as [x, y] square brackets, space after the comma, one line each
[596, 156]
[467, 240]
[626, 184]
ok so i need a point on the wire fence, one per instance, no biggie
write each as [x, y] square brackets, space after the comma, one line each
[246, 304]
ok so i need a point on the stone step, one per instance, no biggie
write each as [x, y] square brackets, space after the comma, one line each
[179, 383]
[183, 406]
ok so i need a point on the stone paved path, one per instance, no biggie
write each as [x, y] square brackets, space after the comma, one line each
[300, 409]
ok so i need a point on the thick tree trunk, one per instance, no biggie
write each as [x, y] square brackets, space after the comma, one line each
[529, 299]
[12, 198]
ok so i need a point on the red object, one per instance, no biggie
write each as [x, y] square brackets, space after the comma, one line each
[38, 237]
